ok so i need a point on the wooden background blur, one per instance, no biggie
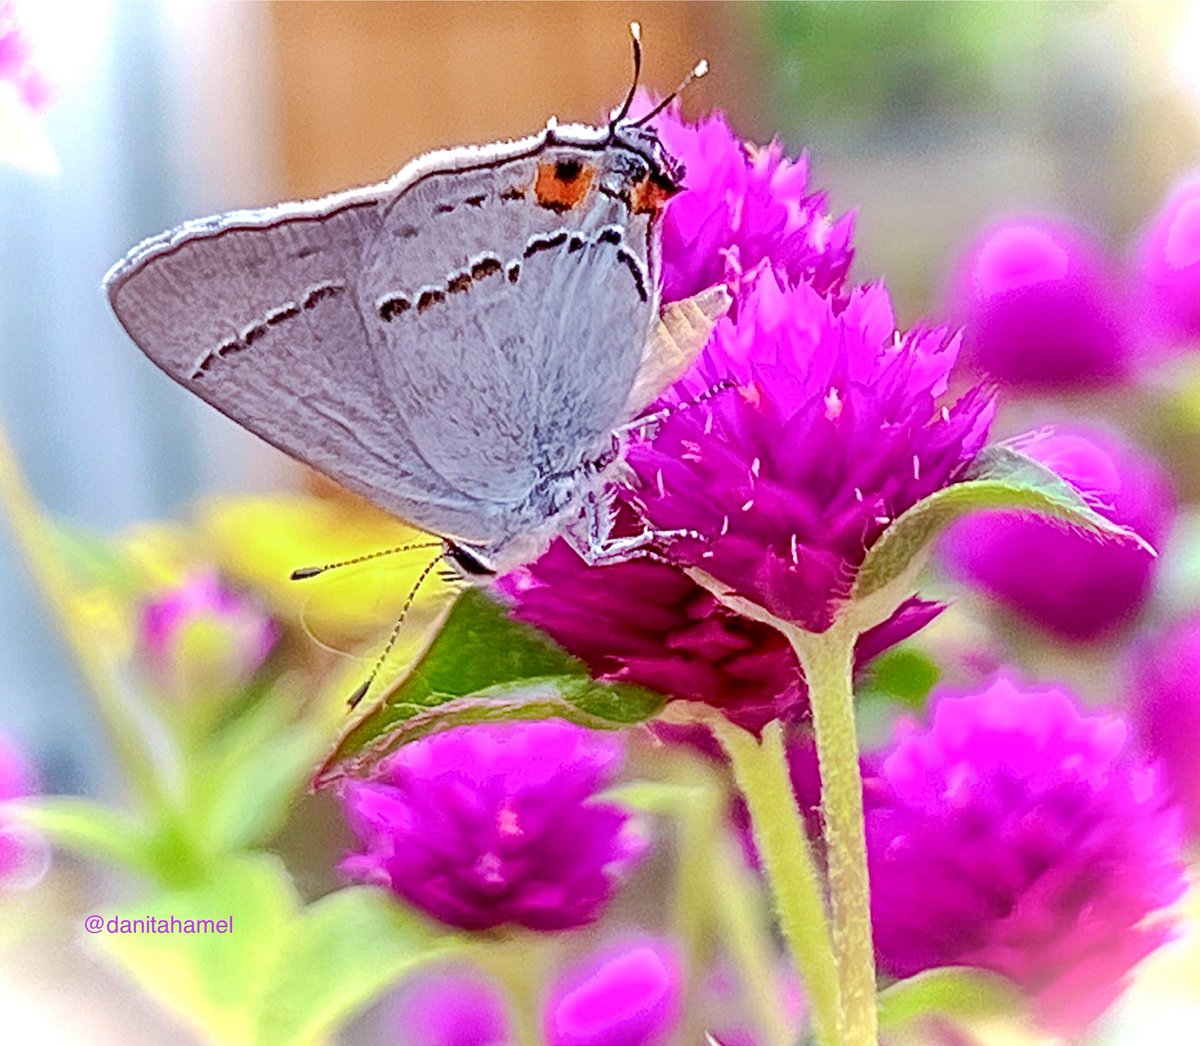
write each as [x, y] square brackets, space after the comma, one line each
[364, 87]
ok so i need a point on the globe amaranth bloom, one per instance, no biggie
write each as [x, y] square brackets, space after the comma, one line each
[1068, 583]
[1040, 307]
[1017, 835]
[835, 426]
[200, 638]
[628, 994]
[742, 204]
[1165, 670]
[1168, 263]
[490, 825]
[450, 1008]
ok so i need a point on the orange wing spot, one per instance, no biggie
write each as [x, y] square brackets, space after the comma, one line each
[561, 185]
[650, 196]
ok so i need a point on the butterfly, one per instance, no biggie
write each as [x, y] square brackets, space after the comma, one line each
[467, 344]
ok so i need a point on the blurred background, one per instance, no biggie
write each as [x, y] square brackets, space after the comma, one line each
[930, 119]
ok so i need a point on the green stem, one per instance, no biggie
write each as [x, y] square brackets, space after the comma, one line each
[761, 773]
[518, 963]
[828, 661]
[29, 531]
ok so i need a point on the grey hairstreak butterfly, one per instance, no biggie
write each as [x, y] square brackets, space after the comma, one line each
[462, 344]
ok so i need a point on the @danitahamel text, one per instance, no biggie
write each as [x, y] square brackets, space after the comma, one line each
[156, 924]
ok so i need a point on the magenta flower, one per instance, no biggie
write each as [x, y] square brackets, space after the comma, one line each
[451, 1008]
[1169, 264]
[1069, 584]
[743, 204]
[18, 65]
[200, 637]
[835, 428]
[626, 995]
[1166, 709]
[1019, 836]
[647, 623]
[1040, 307]
[492, 825]
[20, 847]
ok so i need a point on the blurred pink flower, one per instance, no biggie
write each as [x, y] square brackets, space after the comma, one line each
[1169, 265]
[1166, 708]
[200, 638]
[23, 852]
[743, 204]
[484, 826]
[628, 994]
[18, 64]
[450, 1008]
[1069, 584]
[1040, 307]
[1017, 835]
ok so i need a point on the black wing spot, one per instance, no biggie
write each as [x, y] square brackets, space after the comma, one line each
[251, 334]
[567, 170]
[443, 208]
[475, 201]
[408, 232]
[320, 293]
[635, 270]
[307, 252]
[288, 312]
[513, 192]
[610, 235]
[231, 346]
[429, 298]
[514, 272]
[545, 243]
[486, 267]
[576, 244]
[459, 283]
[393, 307]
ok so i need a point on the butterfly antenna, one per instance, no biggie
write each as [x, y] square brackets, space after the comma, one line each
[701, 69]
[304, 573]
[361, 692]
[635, 31]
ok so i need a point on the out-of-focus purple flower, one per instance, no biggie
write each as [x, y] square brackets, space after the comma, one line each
[835, 427]
[23, 852]
[647, 623]
[625, 995]
[490, 825]
[1018, 836]
[18, 65]
[743, 204]
[1166, 708]
[1040, 307]
[200, 638]
[1072, 585]
[1169, 265]
[451, 1008]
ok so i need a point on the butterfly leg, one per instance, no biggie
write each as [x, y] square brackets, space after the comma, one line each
[597, 545]
[647, 422]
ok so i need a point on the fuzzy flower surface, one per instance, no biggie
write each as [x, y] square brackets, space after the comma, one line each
[202, 637]
[1070, 585]
[491, 825]
[1165, 668]
[743, 204]
[835, 427]
[1169, 264]
[1041, 307]
[1017, 835]
[628, 994]
[451, 1008]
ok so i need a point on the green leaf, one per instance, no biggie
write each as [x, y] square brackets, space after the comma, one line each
[212, 980]
[484, 667]
[1000, 479]
[91, 830]
[948, 991]
[655, 797]
[344, 951]
[903, 675]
